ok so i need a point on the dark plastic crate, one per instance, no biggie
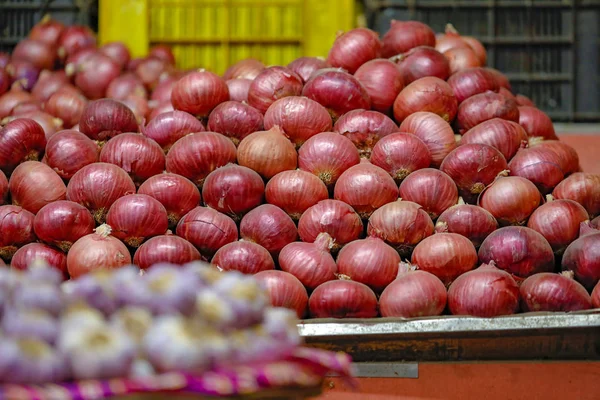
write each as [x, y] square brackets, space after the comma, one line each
[548, 48]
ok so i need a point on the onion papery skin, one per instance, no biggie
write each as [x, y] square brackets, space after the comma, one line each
[295, 191]
[207, 229]
[238, 89]
[48, 84]
[137, 217]
[33, 185]
[432, 189]
[583, 258]
[539, 165]
[473, 222]
[327, 155]
[337, 91]
[272, 84]
[285, 290]
[16, 225]
[75, 38]
[446, 255]
[233, 190]
[95, 74]
[420, 62]
[472, 81]
[198, 154]
[405, 35]
[369, 261]
[69, 151]
[354, 48]
[518, 250]
[137, 155]
[167, 128]
[97, 186]
[553, 292]
[67, 105]
[311, 263]
[333, 217]
[62, 223]
[343, 299]
[306, 66]
[165, 249]
[106, 118]
[365, 187]
[3, 188]
[28, 254]
[382, 80]
[485, 106]
[506, 136]
[582, 187]
[536, 123]
[125, 85]
[567, 155]
[413, 294]
[511, 200]
[364, 128]
[248, 68]
[20, 140]
[473, 167]
[400, 154]
[485, 292]
[401, 224]
[97, 251]
[235, 120]
[436, 133]
[118, 52]
[47, 30]
[299, 118]
[461, 58]
[199, 92]
[267, 152]
[13, 98]
[270, 227]
[243, 256]
[429, 94]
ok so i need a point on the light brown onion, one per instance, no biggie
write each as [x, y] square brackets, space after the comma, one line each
[436, 133]
[33, 185]
[434, 190]
[426, 94]
[511, 200]
[267, 152]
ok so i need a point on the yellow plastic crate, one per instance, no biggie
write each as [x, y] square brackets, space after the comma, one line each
[214, 34]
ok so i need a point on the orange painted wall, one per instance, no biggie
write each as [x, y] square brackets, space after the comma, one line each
[588, 148]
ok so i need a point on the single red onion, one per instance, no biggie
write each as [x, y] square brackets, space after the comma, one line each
[62, 223]
[33, 184]
[333, 217]
[235, 120]
[48, 84]
[243, 256]
[477, 47]
[32, 252]
[67, 105]
[583, 258]
[3, 188]
[95, 74]
[434, 190]
[582, 187]
[536, 123]
[449, 39]
[238, 89]
[49, 124]
[165, 249]
[20, 140]
[462, 58]
[40, 54]
[24, 75]
[11, 99]
[485, 292]
[311, 263]
[125, 85]
[343, 298]
[76, 60]
[511, 200]
[22, 109]
[272, 84]
[285, 290]
[207, 229]
[162, 52]
[68, 151]
[473, 222]
[306, 66]
[400, 154]
[382, 80]
[436, 133]
[248, 68]
[485, 106]
[354, 48]
[365, 128]
[4, 81]
[504, 91]
[567, 155]
[553, 292]
[295, 191]
[150, 70]
[74, 38]
[199, 92]
[139, 106]
[47, 30]
[118, 52]
[163, 90]
[523, 100]
[420, 62]
[596, 296]
[541, 166]
[167, 128]
[426, 94]
[268, 226]
[506, 136]
[405, 35]
[16, 225]
[106, 118]
[472, 81]
[198, 154]
[267, 152]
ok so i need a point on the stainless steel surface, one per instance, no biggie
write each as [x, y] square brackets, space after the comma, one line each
[385, 370]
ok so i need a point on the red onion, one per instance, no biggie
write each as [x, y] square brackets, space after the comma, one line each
[267, 152]
[582, 187]
[401, 224]
[139, 106]
[343, 298]
[295, 191]
[506, 136]
[536, 123]
[472, 222]
[33, 185]
[503, 91]
[97, 186]
[16, 225]
[49, 124]
[306, 66]
[199, 92]
[3, 188]
[163, 90]
[167, 128]
[553, 292]
[233, 190]
[248, 68]
[405, 35]
[420, 62]
[22, 109]
[40, 54]
[272, 84]
[198, 154]
[334, 217]
[66, 105]
[48, 84]
[97, 251]
[582, 258]
[162, 52]
[28, 254]
[4, 81]
[11, 99]
[511, 200]
[207, 229]
[165, 249]
[337, 91]
[4, 59]
[235, 120]
[449, 39]
[327, 155]
[540, 165]
[268, 226]
[426, 94]
[596, 296]
[125, 85]
[285, 290]
[68, 151]
[567, 155]
[106, 118]
[311, 263]
[298, 117]
[95, 74]
[432, 189]
[24, 75]
[382, 80]
[523, 100]
[137, 155]
[365, 187]
[75, 38]
[472, 81]
[400, 154]
[473, 167]
[243, 256]
[48, 30]
[365, 128]
[485, 106]
[485, 292]
[62, 223]
[118, 52]
[76, 60]
[434, 132]
[413, 294]
[354, 48]
[477, 47]
[137, 217]
[461, 58]
[20, 140]
[150, 70]
[518, 250]
[238, 89]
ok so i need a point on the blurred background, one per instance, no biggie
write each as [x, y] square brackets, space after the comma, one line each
[550, 49]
